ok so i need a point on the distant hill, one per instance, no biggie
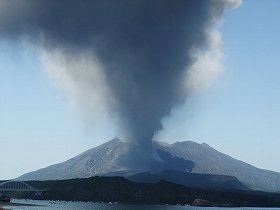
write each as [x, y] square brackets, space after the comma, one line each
[108, 159]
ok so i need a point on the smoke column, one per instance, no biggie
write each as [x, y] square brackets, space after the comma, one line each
[136, 58]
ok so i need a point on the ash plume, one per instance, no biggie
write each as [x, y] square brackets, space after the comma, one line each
[135, 58]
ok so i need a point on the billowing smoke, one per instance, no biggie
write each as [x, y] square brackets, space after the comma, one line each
[136, 58]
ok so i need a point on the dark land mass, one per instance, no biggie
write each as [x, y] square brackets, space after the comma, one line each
[191, 180]
[121, 190]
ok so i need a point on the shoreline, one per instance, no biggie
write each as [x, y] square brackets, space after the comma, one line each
[5, 205]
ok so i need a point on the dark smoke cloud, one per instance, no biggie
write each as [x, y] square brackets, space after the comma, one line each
[144, 47]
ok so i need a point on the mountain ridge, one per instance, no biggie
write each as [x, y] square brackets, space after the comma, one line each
[204, 157]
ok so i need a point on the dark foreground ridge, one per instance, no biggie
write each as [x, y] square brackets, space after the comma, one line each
[121, 190]
[191, 180]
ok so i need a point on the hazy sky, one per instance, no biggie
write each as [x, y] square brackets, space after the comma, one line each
[238, 115]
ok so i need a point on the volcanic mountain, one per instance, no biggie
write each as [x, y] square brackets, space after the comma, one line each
[187, 163]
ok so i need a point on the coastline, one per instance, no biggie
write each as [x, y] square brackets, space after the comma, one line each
[6, 205]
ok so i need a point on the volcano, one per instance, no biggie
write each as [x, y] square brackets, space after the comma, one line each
[184, 162]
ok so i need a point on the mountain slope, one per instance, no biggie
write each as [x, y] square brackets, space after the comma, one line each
[109, 159]
[210, 161]
[95, 161]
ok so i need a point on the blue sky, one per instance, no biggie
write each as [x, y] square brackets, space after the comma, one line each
[238, 115]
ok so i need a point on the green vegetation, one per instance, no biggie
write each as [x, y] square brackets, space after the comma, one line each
[121, 190]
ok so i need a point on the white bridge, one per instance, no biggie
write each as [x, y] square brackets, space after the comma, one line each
[19, 186]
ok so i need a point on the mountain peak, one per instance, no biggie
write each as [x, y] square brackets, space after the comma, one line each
[116, 139]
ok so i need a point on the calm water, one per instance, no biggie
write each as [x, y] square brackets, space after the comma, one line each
[57, 205]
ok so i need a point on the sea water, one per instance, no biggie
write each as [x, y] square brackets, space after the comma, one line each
[62, 205]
